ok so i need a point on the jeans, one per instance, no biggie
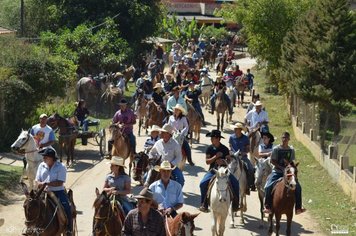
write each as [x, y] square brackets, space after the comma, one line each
[178, 176]
[126, 205]
[63, 198]
[227, 99]
[132, 140]
[84, 123]
[204, 185]
[250, 171]
[187, 150]
[271, 180]
[197, 107]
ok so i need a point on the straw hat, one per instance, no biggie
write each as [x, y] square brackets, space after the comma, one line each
[158, 85]
[154, 128]
[145, 193]
[258, 103]
[238, 125]
[165, 165]
[119, 161]
[118, 74]
[180, 107]
[167, 128]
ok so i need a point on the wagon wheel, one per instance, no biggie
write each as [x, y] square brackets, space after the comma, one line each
[102, 142]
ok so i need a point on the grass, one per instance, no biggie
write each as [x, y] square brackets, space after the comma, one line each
[8, 176]
[323, 198]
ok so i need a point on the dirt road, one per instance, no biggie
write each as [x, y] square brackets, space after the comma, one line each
[90, 172]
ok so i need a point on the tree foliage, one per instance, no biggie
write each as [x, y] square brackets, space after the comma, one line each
[318, 60]
[220, 34]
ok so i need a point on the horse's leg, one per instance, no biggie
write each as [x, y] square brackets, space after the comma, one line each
[278, 223]
[139, 126]
[218, 120]
[232, 223]
[222, 121]
[289, 222]
[260, 197]
[213, 224]
[222, 224]
[270, 220]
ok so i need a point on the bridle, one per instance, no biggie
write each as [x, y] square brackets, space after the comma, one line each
[181, 227]
[27, 140]
[106, 218]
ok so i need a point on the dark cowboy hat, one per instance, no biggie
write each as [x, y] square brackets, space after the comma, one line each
[145, 194]
[269, 135]
[123, 102]
[214, 133]
[48, 152]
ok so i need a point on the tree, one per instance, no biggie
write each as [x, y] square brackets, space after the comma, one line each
[319, 57]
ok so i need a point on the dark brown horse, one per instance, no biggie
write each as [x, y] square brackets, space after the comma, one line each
[140, 108]
[284, 199]
[108, 217]
[181, 225]
[240, 86]
[140, 166]
[155, 115]
[68, 133]
[43, 216]
[221, 107]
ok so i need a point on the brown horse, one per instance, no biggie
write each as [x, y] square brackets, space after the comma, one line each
[140, 166]
[158, 78]
[108, 216]
[111, 97]
[154, 115]
[121, 146]
[181, 225]
[68, 133]
[240, 86]
[90, 89]
[195, 122]
[43, 216]
[220, 107]
[284, 199]
[140, 109]
[128, 74]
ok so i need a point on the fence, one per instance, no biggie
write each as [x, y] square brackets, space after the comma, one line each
[339, 158]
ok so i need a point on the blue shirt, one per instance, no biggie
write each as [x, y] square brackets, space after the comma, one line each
[167, 197]
[239, 143]
[58, 172]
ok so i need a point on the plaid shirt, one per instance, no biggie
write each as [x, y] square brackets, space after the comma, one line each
[134, 225]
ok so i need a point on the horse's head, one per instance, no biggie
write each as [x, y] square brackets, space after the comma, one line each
[103, 211]
[140, 163]
[52, 121]
[34, 206]
[186, 223]
[263, 169]
[222, 183]
[116, 131]
[290, 175]
[22, 141]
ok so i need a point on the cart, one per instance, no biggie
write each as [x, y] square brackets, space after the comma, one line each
[99, 136]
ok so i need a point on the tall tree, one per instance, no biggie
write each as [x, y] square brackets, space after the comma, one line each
[318, 60]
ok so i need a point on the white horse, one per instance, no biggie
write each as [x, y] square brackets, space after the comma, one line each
[179, 137]
[237, 169]
[263, 169]
[25, 142]
[206, 85]
[220, 200]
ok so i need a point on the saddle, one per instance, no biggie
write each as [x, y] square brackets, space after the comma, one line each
[61, 215]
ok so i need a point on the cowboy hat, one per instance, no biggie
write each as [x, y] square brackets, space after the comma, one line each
[146, 77]
[118, 74]
[269, 135]
[165, 165]
[238, 125]
[180, 107]
[145, 193]
[214, 133]
[48, 152]
[154, 128]
[118, 161]
[167, 129]
[158, 85]
[43, 115]
[258, 103]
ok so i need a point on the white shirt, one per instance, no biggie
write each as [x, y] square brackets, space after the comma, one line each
[179, 125]
[42, 134]
[170, 151]
[58, 172]
[256, 118]
[167, 197]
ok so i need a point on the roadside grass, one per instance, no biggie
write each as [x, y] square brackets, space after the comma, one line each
[323, 198]
[8, 176]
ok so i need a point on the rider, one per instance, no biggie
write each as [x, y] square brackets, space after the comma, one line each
[180, 123]
[166, 192]
[217, 155]
[257, 118]
[219, 85]
[175, 99]
[53, 173]
[170, 83]
[281, 155]
[43, 133]
[81, 112]
[126, 117]
[150, 141]
[158, 94]
[265, 149]
[240, 142]
[192, 95]
[118, 183]
[250, 77]
[251, 106]
[168, 149]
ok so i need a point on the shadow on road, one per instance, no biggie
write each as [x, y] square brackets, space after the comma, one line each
[191, 199]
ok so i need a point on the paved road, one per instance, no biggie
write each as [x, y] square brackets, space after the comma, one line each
[90, 172]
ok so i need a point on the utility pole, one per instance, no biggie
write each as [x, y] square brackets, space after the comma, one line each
[22, 18]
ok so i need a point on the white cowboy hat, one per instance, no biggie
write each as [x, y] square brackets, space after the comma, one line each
[43, 115]
[154, 128]
[238, 125]
[167, 128]
[158, 85]
[165, 165]
[146, 77]
[119, 161]
[180, 107]
[258, 103]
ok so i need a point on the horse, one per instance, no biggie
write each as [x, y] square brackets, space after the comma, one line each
[284, 199]
[87, 87]
[213, 53]
[140, 166]
[140, 109]
[263, 169]
[181, 225]
[111, 96]
[128, 73]
[195, 122]
[108, 217]
[68, 133]
[179, 137]
[206, 85]
[240, 87]
[25, 143]
[220, 200]
[220, 107]
[43, 216]
[155, 115]
[121, 146]
[255, 141]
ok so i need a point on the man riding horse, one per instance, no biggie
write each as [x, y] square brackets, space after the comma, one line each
[257, 119]
[219, 85]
